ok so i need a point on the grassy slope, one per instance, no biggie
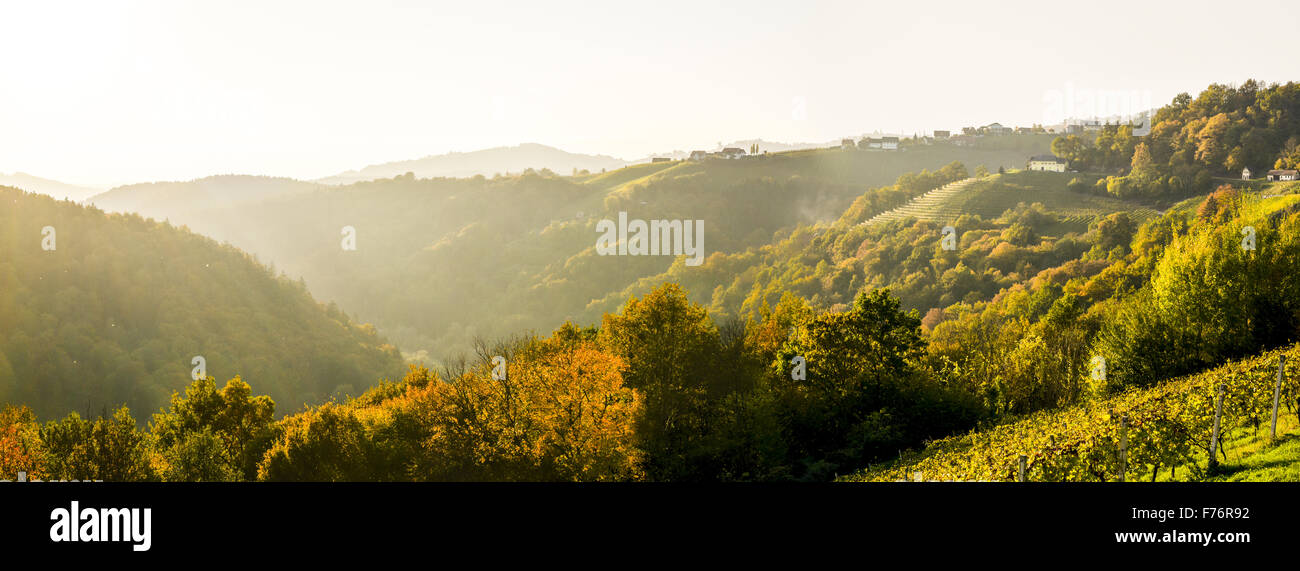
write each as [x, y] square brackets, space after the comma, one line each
[988, 198]
[1276, 463]
[616, 178]
[1259, 198]
[1246, 450]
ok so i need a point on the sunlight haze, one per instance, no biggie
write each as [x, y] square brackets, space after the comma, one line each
[100, 93]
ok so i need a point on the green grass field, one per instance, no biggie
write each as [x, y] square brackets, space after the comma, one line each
[1247, 453]
[989, 197]
[616, 178]
[1276, 463]
[1259, 198]
[856, 167]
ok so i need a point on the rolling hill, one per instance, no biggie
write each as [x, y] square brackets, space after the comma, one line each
[100, 310]
[990, 197]
[54, 188]
[440, 261]
[828, 263]
[180, 200]
[486, 162]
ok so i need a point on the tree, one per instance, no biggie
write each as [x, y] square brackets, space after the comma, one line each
[1208, 300]
[21, 449]
[199, 457]
[327, 444]
[1212, 145]
[560, 413]
[241, 423]
[1115, 231]
[864, 394]
[667, 342]
[1071, 148]
[1142, 166]
[107, 448]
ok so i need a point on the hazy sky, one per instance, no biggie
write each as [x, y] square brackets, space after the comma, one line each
[105, 92]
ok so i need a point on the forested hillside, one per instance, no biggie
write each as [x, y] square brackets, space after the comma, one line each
[1009, 228]
[1193, 140]
[663, 391]
[440, 261]
[100, 310]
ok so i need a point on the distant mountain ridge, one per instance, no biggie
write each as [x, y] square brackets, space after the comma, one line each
[179, 200]
[161, 200]
[48, 187]
[486, 162]
[746, 144]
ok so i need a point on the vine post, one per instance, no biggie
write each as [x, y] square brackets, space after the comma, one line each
[1277, 395]
[1214, 437]
[1123, 445]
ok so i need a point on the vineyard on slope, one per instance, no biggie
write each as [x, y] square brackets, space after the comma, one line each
[1168, 425]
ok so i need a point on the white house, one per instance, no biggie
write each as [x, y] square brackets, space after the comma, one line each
[998, 129]
[732, 153]
[1275, 175]
[889, 143]
[1245, 173]
[1046, 163]
[699, 155]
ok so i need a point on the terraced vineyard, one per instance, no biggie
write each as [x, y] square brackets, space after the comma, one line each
[925, 207]
[989, 197]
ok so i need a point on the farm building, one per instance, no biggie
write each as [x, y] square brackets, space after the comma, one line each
[1046, 163]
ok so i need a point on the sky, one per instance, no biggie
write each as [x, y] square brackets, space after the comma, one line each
[104, 93]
